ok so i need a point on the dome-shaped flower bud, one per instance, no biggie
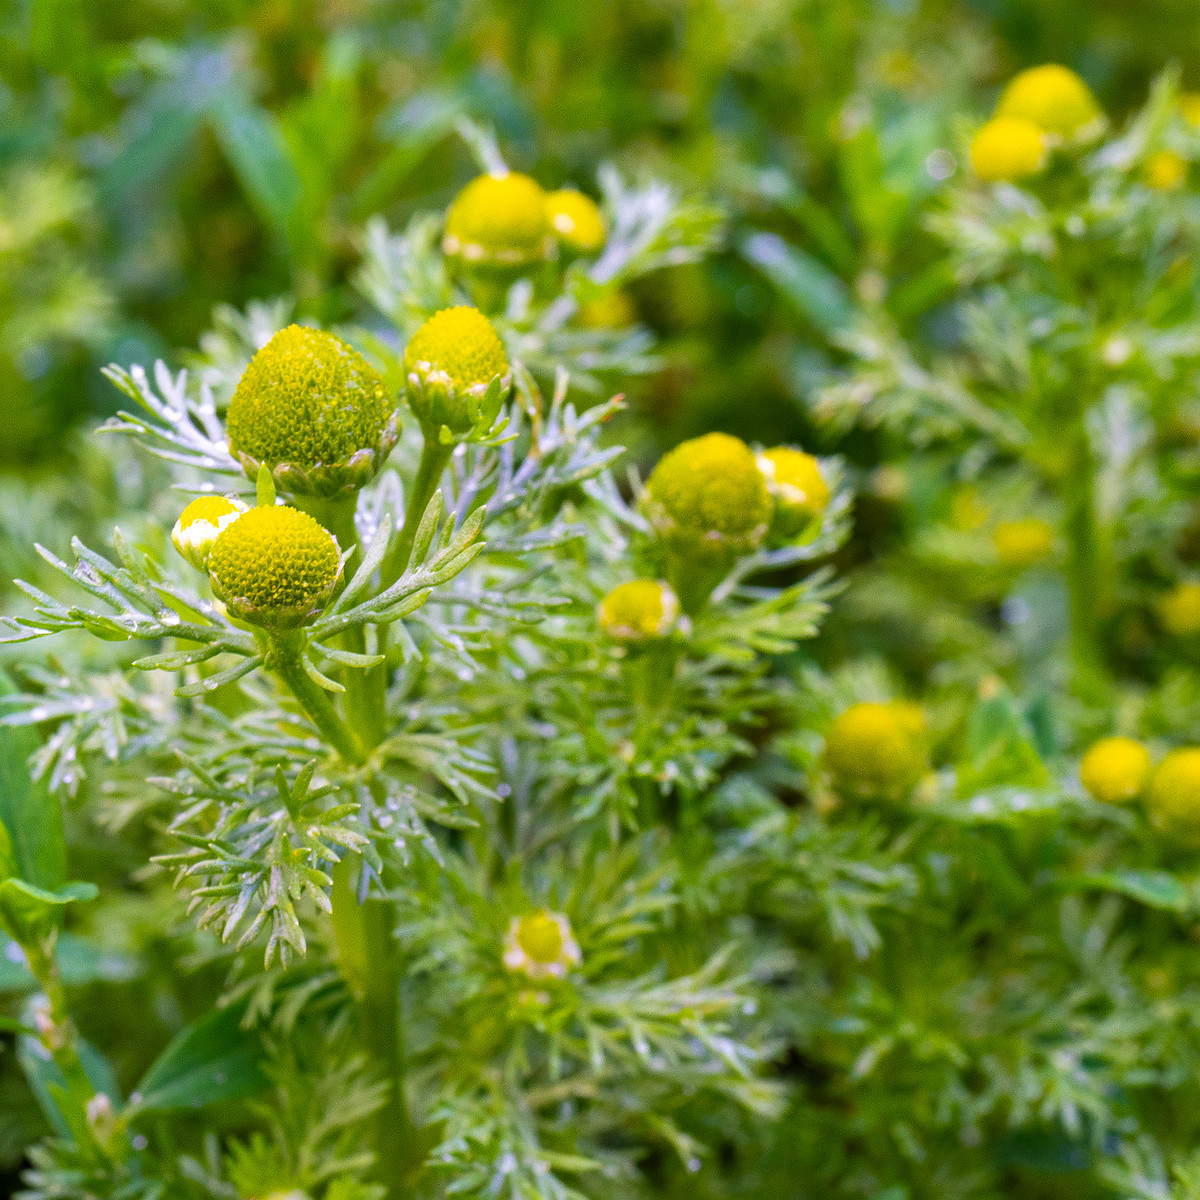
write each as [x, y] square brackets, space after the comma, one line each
[314, 411]
[1179, 609]
[876, 751]
[200, 524]
[499, 221]
[576, 219]
[275, 567]
[1165, 171]
[1173, 797]
[1054, 98]
[449, 363]
[1008, 148]
[639, 610]
[1023, 543]
[795, 483]
[708, 500]
[541, 945]
[1115, 769]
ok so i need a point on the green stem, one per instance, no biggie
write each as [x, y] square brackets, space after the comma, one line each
[314, 699]
[1085, 572]
[434, 457]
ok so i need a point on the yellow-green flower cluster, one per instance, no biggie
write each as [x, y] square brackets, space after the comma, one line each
[1118, 770]
[275, 566]
[877, 751]
[639, 610]
[449, 362]
[541, 945]
[314, 411]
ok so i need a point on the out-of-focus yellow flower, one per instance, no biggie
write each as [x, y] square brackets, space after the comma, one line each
[877, 751]
[1179, 609]
[499, 221]
[1023, 543]
[1115, 769]
[576, 220]
[795, 483]
[1054, 98]
[200, 524]
[1165, 171]
[612, 309]
[638, 610]
[708, 500]
[1008, 148]
[541, 945]
[1173, 798]
[967, 509]
[1189, 105]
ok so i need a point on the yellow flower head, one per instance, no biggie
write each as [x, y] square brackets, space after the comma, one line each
[612, 309]
[500, 221]
[1054, 98]
[541, 944]
[314, 410]
[200, 524]
[1008, 148]
[1165, 171]
[876, 751]
[275, 567]
[1115, 769]
[640, 609]
[453, 356]
[708, 500]
[1023, 543]
[795, 483]
[1179, 609]
[576, 219]
[1173, 798]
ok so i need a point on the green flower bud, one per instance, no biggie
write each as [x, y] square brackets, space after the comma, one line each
[314, 411]
[576, 219]
[275, 567]
[499, 221]
[639, 610]
[1173, 797]
[876, 751]
[795, 483]
[200, 524]
[708, 500]
[541, 945]
[449, 363]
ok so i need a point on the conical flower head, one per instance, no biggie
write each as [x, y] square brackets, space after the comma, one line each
[275, 567]
[312, 409]
[1008, 149]
[708, 500]
[450, 362]
[499, 220]
[1054, 98]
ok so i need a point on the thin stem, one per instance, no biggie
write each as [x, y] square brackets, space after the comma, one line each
[434, 457]
[315, 700]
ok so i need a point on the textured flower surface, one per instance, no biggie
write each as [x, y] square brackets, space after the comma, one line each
[1023, 543]
[1008, 148]
[1115, 769]
[499, 220]
[576, 220]
[274, 566]
[876, 751]
[314, 410]
[795, 483]
[1053, 97]
[454, 355]
[200, 524]
[542, 945]
[639, 609]
[707, 497]
[1173, 797]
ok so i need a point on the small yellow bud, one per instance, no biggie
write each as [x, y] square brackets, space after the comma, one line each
[541, 945]
[1173, 798]
[1165, 171]
[576, 219]
[454, 356]
[1008, 148]
[638, 610]
[1179, 609]
[877, 751]
[311, 408]
[708, 500]
[1115, 769]
[1054, 98]
[1023, 543]
[275, 566]
[795, 483]
[499, 221]
[200, 524]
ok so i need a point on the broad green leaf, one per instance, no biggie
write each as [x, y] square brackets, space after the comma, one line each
[28, 912]
[79, 961]
[211, 1061]
[1158, 889]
